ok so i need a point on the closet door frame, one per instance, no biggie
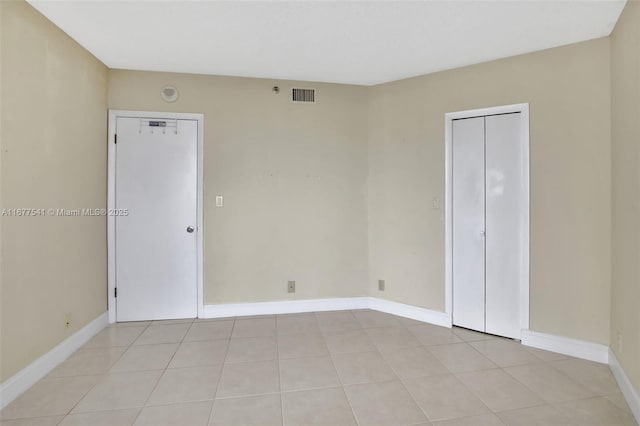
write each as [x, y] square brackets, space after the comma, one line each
[523, 109]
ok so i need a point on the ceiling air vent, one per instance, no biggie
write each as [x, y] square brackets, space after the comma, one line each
[303, 95]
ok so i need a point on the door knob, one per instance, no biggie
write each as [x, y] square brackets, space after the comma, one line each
[190, 229]
[483, 233]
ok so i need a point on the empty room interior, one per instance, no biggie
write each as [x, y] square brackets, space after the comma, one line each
[320, 213]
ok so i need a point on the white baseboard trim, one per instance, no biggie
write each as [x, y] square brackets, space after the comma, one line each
[628, 390]
[15, 385]
[319, 305]
[567, 346]
[284, 307]
[410, 311]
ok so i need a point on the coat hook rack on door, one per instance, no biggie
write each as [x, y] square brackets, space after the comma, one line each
[159, 124]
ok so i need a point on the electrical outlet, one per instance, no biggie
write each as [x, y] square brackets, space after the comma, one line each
[291, 286]
[67, 320]
[381, 285]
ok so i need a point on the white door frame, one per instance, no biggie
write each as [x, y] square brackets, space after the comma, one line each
[523, 109]
[111, 200]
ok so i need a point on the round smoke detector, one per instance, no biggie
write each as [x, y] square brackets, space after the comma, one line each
[169, 93]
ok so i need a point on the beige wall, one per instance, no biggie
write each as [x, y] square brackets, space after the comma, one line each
[625, 132]
[568, 92]
[54, 97]
[293, 177]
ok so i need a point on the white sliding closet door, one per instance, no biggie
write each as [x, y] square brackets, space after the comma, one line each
[468, 223]
[488, 198]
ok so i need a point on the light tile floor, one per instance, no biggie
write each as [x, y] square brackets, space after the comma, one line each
[327, 368]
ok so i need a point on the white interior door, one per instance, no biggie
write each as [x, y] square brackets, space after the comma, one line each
[155, 244]
[504, 221]
[468, 223]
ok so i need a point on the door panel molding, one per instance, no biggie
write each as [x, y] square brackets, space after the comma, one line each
[111, 199]
[523, 109]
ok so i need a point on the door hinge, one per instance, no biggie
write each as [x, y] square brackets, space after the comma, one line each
[115, 292]
[115, 138]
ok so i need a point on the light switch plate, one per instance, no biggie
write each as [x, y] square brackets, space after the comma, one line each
[219, 201]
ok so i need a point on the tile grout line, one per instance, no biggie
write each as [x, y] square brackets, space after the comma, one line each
[343, 386]
[103, 375]
[551, 364]
[480, 399]
[399, 379]
[543, 401]
[250, 395]
[402, 381]
[579, 385]
[489, 410]
[155, 386]
[279, 373]
[221, 371]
